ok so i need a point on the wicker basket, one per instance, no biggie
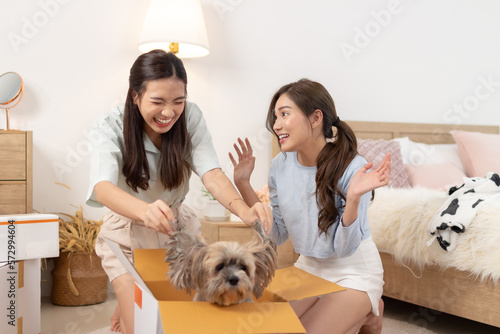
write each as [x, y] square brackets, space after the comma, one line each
[78, 279]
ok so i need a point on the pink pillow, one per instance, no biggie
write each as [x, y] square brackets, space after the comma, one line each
[480, 152]
[375, 151]
[437, 176]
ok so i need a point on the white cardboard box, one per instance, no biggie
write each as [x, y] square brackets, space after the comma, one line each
[28, 236]
[20, 297]
[24, 240]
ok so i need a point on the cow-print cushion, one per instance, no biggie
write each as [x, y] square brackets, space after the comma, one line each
[458, 211]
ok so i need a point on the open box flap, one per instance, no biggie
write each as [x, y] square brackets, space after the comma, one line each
[292, 283]
[240, 318]
[126, 263]
[146, 312]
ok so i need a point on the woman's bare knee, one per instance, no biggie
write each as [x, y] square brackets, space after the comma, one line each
[373, 324]
[300, 307]
[337, 312]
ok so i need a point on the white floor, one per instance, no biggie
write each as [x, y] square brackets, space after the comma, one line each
[76, 319]
[86, 319]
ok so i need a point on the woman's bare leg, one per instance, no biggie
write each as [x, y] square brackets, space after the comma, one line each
[373, 324]
[338, 312]
[124, 290]
[303, 305]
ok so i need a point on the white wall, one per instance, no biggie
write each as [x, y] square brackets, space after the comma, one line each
[404, 61]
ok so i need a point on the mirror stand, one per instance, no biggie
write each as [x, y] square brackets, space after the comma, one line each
[7, 118]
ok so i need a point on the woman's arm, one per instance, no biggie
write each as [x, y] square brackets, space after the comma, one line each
[156, 215]
[217, 183]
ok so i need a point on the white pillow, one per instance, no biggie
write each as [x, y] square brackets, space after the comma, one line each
[429, 154]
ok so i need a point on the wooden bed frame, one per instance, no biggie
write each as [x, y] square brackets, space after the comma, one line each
[450, 291]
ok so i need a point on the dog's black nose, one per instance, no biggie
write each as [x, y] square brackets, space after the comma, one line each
[233, 280]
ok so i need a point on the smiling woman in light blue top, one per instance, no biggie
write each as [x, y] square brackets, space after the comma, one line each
[320, 189]
[142, 156]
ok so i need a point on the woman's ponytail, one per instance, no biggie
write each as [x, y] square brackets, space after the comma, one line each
[332, 162]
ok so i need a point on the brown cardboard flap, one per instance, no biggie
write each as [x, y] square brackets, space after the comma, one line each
[292, 283]
[163, 291]
[150, 264]
[242, 318]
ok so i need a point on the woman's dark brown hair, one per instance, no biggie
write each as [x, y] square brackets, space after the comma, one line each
[335, 156]
[174, 168]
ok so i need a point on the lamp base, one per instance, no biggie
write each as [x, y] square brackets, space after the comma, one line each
[174, 48]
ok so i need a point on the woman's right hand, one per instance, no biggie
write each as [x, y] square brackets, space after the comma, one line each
[160, 217]
[246, 161]
[262, 212]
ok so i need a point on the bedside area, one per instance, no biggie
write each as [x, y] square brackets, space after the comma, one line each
[214, 231]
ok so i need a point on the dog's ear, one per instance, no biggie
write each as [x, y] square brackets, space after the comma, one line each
[183, 250]
[197, 273]
[265, 256]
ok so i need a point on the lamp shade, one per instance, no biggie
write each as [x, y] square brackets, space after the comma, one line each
[175, 21]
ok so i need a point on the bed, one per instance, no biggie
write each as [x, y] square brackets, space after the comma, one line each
[453, 282]
[463, 281]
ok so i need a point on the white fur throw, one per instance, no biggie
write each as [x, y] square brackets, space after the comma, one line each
[399, 218]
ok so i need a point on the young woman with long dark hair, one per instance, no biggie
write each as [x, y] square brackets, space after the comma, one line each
[320, 189]
[141, 163]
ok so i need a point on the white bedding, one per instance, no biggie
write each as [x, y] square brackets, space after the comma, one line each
[399, 219]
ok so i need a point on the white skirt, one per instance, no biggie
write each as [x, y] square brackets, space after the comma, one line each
[361, 271]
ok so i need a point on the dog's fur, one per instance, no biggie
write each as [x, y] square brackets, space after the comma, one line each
[224, 272]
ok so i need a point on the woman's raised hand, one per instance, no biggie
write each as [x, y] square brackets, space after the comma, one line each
[364, 181]
[246, 161]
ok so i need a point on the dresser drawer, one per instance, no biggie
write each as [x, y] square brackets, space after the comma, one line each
[13, 198]
[12, 156]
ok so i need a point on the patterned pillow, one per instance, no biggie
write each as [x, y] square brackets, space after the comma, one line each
[375, 151]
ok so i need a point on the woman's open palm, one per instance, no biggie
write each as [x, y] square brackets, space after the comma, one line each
[246, 161]
[364, 181]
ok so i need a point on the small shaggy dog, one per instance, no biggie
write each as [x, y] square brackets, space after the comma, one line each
[224, 272]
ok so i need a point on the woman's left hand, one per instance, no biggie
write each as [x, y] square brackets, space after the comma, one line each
[364, 181]
[246, 162]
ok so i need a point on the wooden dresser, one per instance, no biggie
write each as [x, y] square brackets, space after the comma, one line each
[214, 231]
[16, 172]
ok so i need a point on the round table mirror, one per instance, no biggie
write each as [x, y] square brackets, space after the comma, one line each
[11, 92]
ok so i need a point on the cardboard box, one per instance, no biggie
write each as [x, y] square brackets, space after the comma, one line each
[28, 236]
[159, 308]
[20, 301]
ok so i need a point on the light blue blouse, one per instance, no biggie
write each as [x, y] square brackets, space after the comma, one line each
[106, 156]
[292, 189]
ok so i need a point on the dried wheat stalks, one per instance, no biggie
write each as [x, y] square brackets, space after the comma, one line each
[78, 234]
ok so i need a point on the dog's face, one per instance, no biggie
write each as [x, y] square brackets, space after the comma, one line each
[224, 272]
[228, 273]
